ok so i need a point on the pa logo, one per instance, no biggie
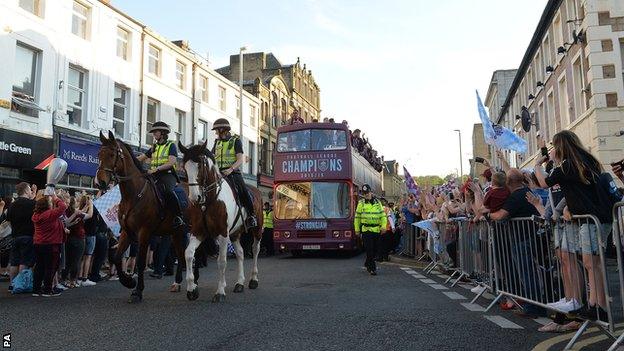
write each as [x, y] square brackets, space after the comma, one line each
[6, 341]
[323, 165]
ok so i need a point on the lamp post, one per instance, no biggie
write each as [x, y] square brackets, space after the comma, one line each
[461, 166]
[240, 89]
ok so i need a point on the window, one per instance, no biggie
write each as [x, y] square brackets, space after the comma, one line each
[32, 6]
[252, 115]
[123, 41]
[153, 65]
[203, 89]
[202, 131]
[271, 151]
[550, 118]
[314, 200]
[563, 103]
[312, 140]
[238, 107]
[264, 155]
[222, 96]
[579, 86]
[274, 109]
[180, 75]
[181, 119]
[558, 27]
[153, 115]
[622, 54]
[25, 78]
[284, 112]
[76, 91]
[545, 56]
[252, 150]
[120, 108]
[80, 19]
[265, 111]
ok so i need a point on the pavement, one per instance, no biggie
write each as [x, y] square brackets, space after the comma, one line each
[316, 302]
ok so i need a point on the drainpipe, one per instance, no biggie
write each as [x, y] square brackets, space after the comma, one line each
[141, 86]
[193, 89]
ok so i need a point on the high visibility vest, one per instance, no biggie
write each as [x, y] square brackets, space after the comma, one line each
[160, 155]
[370, 217]
[225, 155]
[268, 219]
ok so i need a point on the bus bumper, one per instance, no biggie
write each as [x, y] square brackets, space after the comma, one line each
[347, 245]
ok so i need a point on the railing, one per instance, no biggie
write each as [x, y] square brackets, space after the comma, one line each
[541, 263]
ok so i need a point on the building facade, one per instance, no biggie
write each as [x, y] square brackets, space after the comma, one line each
[571, 77]
[479, 149]
[75, 68]
[393, 183]
[281, 89]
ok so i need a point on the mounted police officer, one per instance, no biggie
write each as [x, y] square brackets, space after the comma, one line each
[370, 222]
[228, 151]
[162, 160]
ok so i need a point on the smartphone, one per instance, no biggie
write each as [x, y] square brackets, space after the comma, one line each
[479, 159]
[544, 151]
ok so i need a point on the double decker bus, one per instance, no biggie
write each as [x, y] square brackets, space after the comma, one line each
[318, 175]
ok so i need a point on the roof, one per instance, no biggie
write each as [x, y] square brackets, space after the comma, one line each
[542, 27]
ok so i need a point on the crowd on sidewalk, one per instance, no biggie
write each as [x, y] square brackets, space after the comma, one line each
[567, 180]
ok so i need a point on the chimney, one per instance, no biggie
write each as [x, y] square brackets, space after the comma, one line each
[184, 44]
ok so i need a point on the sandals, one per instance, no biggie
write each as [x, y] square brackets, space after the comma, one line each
[553, 327]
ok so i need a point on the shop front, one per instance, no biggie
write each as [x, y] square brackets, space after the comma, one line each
[82, 161]
[23, 157]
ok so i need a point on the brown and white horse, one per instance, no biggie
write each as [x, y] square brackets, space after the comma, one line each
[214, 214]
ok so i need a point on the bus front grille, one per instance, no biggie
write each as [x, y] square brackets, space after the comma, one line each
[311, 234]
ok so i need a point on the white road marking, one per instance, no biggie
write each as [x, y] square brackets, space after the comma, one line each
[405, 268]
[466, 286]
[428, 281]
[438, 286]
[473, 307]
[503, 322]
[418, 276]
[453, 295]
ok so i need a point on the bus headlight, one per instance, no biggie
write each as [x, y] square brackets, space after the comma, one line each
[347, 233]
[286, 235]
[336, 233]
[276, 235]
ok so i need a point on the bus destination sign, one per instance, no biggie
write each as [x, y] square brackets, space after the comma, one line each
[311, 225]
[311, 165]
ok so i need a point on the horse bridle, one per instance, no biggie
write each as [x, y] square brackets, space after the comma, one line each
[203, 188]
[113, 172]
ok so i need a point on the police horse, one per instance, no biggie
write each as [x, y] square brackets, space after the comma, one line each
[215, 214]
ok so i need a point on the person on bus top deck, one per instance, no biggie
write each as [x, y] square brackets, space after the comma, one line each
[228, 151]
[370, 221]
[162, 158]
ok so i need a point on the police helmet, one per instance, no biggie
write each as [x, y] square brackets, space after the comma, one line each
[162, 126]
[221, 123]
[366, 189]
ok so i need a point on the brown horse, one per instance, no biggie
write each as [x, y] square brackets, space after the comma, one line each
[139, 214]
[215, 214]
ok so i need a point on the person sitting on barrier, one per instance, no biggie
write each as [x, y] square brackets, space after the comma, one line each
[520, 244]
[578, 174]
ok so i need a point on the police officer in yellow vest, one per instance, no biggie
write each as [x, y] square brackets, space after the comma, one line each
[162, 157]
[267, 229]
[228, 151]
[370, 222]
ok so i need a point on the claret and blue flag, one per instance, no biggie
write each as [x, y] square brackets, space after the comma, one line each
[412, 187]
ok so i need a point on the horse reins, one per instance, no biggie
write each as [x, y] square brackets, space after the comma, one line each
[205, 189]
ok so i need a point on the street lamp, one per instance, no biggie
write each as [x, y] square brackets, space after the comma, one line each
[461, 166]
[240, 90]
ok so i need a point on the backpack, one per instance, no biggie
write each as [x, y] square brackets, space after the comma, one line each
[23, 282]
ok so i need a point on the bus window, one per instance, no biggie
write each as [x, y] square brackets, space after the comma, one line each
[294, 141]
[312, 140]
[316, 200]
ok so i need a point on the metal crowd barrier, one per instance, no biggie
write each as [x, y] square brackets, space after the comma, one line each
[618, 236]
[442, 245]
[538, 262]
[475, 255]
[409, 241]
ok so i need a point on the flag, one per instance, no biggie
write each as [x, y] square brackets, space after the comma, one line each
[108, 206]
[499, 136]
[412, 187]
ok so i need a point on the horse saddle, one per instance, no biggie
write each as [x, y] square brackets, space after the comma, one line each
[237, 198]
[160, 198]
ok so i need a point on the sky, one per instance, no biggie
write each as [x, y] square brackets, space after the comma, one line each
[403, 71]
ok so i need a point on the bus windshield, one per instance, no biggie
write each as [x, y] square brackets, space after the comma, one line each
[312, 200]
[312, 140]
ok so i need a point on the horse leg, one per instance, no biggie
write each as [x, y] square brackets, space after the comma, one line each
[137, 294]
[222, 263]
[122, 246]
[178, 241]
[253, 283]
[192, 293]
[240, 257]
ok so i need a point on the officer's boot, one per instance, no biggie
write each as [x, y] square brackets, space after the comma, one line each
[173, 204]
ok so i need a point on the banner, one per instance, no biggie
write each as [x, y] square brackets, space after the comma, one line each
[499, 136]
[81, 155]
[108, 206]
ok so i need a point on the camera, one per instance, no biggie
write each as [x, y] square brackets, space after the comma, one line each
[479, 159]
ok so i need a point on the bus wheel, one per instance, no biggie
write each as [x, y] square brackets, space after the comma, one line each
[296, 253]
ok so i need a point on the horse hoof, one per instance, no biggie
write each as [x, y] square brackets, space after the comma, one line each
[218, 298]
[238, 288]
[253, 284]
[192, 295]
[174, 288]
[135, 297]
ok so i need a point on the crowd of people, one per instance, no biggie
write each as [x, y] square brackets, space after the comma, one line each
[567, 180]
